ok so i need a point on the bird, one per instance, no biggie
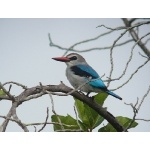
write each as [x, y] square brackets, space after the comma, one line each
[79, 73]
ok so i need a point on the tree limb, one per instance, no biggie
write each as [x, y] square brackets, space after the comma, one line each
[135, 36]
[64, 89]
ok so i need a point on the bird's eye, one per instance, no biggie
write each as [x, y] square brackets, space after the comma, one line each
[73, 58]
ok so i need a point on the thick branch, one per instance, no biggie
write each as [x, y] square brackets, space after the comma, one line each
[135, 36]
[64, 89]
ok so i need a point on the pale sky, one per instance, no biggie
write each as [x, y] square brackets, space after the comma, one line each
[25, 57]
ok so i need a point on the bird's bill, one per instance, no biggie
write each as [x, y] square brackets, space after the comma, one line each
[63, 59]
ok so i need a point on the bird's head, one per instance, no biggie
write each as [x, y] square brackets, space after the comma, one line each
[71, 59]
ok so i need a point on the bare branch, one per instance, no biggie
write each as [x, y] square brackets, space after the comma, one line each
[137, 108]
[113, 29]
[146, 41]
[111, 57]
[89, 40]
[22, 125]
[132, 75]
[11, 97]
[132, 20]
[5, 123]
[123, 33]
[35, 128]
[100, 48]
[135, 36]
[23, 86]
[54, 123]
[143, 55]
[135, 113]
[130, 58]
[143, 98]
[69, 130]
[71, 48]
[77, 119]
[12, 112]
[44, 125]
[53, 110]
[142, 119]
[64, 89]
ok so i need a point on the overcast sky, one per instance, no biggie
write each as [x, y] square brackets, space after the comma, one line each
[25, 57]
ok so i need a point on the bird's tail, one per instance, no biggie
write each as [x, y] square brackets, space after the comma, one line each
[113, 94]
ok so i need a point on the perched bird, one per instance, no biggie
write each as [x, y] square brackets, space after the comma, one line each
[79, 73]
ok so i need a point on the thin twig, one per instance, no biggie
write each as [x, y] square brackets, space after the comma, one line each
[146, 41]
[142, 119]
[49, 123]
[52, 102]
[136, 108]
[132, 75]
[44, 125]
[143, 55]
[53, 110]
[113, 29]
[10, 86]
[145, 95]
[69, 130]
[134, 112]
[130, 58]
[35, 128]
[111, 50]
[23, 86]
[77, 119]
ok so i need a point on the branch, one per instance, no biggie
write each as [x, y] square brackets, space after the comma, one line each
[77, 118]
[22, 125]
[132, 75]
[16, 83]
[71, 48]
[64, 89]
[114, 43]
[7, 92]
[5, 123]
[130, 58]
[55, 123]
[142, 119]
[135, 35]
[137, 108]
[44, 125]
[53, 110]
[143, 98]
[117, 28]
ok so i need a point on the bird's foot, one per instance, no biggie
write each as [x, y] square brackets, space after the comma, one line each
[87, 94]
[81, 92]
[92, 97]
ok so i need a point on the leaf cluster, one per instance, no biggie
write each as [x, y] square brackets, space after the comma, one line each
[88, 118]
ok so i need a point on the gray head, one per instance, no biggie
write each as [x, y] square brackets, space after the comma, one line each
[72, 59]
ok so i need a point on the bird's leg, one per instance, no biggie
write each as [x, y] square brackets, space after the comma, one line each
[92, 97]
[81, 92]
[88, 94]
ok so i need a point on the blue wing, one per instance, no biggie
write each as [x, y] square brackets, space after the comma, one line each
[87, 71]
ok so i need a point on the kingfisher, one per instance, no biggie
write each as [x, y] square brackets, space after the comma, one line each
[79, 73]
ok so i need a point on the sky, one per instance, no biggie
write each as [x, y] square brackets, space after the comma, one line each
[25, 57]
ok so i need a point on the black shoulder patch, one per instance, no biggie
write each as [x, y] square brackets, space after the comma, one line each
[80, 72]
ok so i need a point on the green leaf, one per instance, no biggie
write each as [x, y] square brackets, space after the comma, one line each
[90, 117]
[100, 98]
[2, 92]
[124, 121]
[68, 123]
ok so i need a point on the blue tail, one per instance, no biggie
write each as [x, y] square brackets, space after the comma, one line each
[113, 94]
